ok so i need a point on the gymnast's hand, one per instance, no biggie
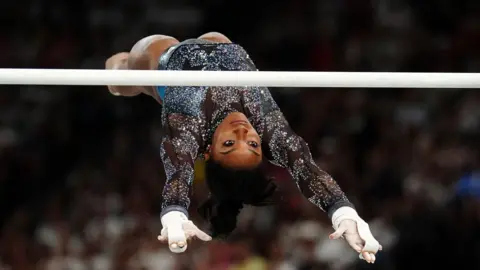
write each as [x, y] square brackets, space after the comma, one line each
[355, 230]
[177, 229]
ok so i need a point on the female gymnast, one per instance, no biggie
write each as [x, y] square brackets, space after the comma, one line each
[233, 129]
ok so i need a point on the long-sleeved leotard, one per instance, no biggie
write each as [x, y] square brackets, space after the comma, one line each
[191, 115]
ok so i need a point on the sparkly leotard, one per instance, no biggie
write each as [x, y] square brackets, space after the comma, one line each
[191, 115]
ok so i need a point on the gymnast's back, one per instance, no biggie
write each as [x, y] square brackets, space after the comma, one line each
[205, 55]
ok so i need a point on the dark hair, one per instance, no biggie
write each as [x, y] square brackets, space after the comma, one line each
[230, 189]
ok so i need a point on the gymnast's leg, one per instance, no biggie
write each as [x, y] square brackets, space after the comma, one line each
[143, 56]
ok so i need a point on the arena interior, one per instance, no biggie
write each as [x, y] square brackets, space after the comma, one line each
[81, 177]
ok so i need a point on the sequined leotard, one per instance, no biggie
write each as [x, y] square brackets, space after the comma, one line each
[191, 114]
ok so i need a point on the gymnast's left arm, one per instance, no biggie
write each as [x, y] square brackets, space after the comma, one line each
[285, 148]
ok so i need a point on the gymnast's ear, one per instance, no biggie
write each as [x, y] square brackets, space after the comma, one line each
[208, 153]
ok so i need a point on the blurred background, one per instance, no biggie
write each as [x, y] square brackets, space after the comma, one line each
[81, 178]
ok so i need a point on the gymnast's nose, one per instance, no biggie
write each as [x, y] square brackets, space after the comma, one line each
[241, 132]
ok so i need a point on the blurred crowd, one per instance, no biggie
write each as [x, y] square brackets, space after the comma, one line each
[81, 178]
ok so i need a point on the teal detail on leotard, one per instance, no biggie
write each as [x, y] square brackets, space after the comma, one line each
[161, 92]
[162, 65]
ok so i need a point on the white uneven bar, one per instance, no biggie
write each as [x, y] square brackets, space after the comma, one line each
[238, 78]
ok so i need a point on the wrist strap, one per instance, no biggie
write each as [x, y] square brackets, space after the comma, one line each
[342, 214]
[173, 217]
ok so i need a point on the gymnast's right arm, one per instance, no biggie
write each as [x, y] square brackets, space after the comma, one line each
[179, 149]
[143, 56]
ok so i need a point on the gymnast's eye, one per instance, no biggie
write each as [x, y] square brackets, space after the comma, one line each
[253, 144]
[229, 143]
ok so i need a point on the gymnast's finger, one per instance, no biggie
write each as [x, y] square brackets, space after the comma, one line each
[202, 235]
[177, 242]
[367, 256]
[162, 239]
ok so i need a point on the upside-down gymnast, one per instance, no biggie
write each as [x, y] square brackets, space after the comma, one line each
[233, 129]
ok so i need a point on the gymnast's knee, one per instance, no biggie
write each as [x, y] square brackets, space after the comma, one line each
[215, 37]
[153, 41]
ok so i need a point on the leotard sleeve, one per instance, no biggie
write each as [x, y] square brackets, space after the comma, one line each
[286, 149]
[179, 149]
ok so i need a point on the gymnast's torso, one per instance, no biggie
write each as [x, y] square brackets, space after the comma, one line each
[190, 115]
[208, 106]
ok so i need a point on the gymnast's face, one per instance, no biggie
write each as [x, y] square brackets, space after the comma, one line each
[236, 143]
